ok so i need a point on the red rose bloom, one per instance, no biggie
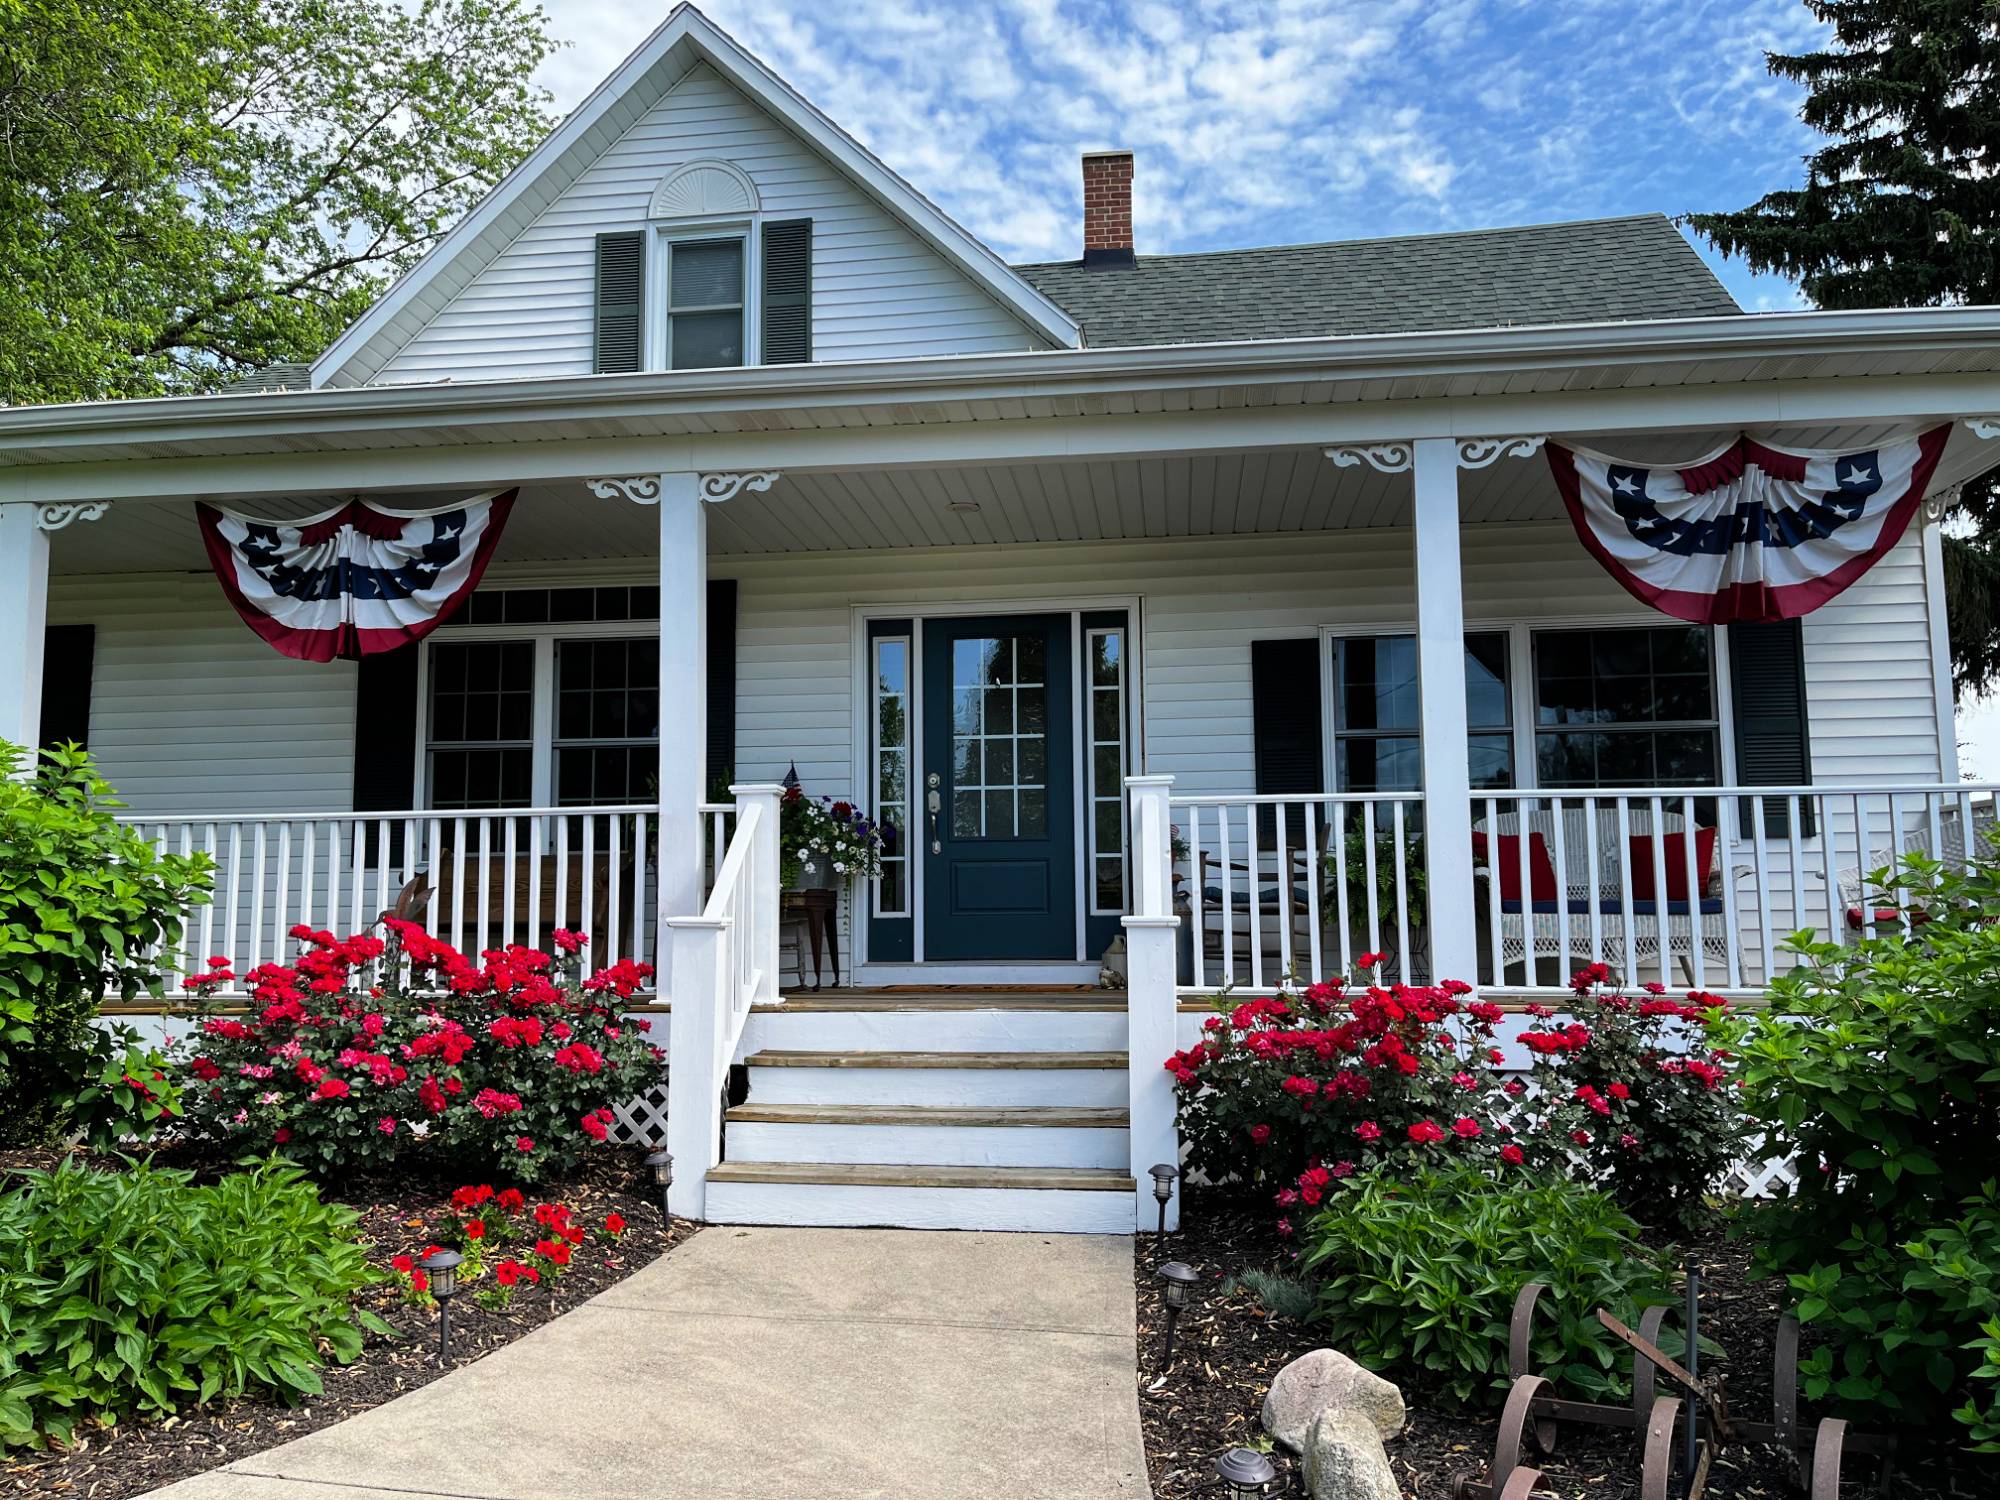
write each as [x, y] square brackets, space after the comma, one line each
[1260, 1133]
[1513, 1155]
[1426, 1132]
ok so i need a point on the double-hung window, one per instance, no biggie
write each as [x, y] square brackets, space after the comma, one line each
[544, 697]
[705, 303]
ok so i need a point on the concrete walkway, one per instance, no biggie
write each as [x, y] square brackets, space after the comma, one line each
[819, 1364]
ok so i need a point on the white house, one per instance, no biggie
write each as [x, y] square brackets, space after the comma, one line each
[1226, 602]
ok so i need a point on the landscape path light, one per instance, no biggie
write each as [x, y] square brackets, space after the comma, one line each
[661, 1165]
[442, 1268]
[1244, 1473]
[1177, 1284]
[1164, 1178]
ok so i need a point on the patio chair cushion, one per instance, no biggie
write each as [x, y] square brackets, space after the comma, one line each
[1674, 851]
[1541, 872]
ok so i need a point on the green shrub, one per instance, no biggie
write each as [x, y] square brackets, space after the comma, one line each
[86, 904]
[1417, 1278]
[1878, 1065]
[138, 1291]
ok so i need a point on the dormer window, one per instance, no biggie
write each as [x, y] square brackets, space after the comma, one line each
[705, 280]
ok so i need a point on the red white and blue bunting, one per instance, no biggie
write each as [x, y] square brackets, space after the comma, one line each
[356, 580]
[1749, 532]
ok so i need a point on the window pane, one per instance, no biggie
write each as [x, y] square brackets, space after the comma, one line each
[1378, 683]
[707, 273]
[1384, 765]
[1486, 705]
[1105, 651]
[1492, 757]
[706, 341]
[892, 666]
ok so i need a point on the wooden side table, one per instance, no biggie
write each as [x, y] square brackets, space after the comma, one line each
[820, 910]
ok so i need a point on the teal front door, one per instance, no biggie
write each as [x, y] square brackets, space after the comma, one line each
[1000, 823]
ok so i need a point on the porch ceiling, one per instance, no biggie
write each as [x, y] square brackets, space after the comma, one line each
[1265, 492]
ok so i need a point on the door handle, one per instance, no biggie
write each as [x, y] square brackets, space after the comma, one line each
[933, 803]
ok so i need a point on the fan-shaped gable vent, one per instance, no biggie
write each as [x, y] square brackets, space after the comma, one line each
[704, 187]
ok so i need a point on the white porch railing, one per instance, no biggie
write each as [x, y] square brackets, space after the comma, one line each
[1708, 911]
[1273, 887]
[713, 821]
[496, 877]
[720, 964]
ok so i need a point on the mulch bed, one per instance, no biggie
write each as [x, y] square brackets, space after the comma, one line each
[397, 1217]
[1228, 1348]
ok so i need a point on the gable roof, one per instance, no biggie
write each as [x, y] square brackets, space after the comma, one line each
[685, 39]
[1593, 271]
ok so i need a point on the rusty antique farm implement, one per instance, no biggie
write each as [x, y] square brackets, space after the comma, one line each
[1681, 1434]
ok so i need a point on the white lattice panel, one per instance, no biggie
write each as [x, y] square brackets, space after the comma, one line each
[643, 1120]
[1762, 1177]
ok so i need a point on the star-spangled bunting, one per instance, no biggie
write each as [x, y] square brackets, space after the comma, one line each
[353, 581]
[1750, 532]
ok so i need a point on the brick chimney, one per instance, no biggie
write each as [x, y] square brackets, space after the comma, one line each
[1107, 208]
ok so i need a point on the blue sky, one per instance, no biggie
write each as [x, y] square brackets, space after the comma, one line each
[1282, 121]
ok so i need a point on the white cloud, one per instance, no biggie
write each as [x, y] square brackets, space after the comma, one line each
[1261, 121]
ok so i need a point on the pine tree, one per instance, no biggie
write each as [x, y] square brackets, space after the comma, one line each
[1900, 209]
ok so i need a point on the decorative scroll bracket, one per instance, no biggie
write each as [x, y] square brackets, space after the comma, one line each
[1983, 427]
[1477, 453]
[640, 489]
[1938, 505]
[55, 517]
[1385, 458]
[716, 489]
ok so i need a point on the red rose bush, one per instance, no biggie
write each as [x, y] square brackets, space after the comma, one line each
[1301, 1089]
[366, 1050]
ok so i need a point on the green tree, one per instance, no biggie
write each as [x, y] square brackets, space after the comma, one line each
[1901, 208]
[194, 189]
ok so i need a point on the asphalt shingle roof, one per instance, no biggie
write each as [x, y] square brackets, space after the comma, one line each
[1597, 270]
[278, 377]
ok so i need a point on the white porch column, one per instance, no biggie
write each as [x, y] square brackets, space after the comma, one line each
[683, 690]
[24, 611]
[1152, 1003]
[1441, 711]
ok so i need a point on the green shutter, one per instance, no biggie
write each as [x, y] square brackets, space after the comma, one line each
[787, 293]
[1767, 686]
[621, 302]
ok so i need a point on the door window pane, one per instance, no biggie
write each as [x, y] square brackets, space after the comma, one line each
[999, 763]
[1107, 763]
[892, 772]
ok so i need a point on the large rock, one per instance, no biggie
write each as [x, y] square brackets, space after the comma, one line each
[1327, 1378]
[1345, 1459]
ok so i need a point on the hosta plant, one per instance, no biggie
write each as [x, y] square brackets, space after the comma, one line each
[138, 1291]
[1417, 1275]
[364, 1052]
[1630, 1093]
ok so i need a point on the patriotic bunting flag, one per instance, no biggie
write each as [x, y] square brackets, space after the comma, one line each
[356, 580]
[1748, 533]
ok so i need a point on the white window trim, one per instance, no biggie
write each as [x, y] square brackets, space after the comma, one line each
[542, 720]
[663, 233]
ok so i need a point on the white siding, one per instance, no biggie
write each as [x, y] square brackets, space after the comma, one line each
[878, 291]
[1870, 690]
[191, 713]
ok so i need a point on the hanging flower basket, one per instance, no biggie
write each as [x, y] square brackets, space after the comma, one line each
[823, 844]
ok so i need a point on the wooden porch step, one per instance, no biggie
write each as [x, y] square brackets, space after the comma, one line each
[976, 1060]
[862, 1001]
[1072, 1179]
[1031, 1116]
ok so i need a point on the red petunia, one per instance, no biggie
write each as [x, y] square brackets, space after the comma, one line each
[614, 1224]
